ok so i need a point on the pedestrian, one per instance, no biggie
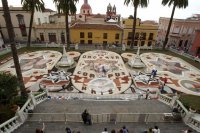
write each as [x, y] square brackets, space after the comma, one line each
[123, 130]
[40, 130]
[165, 81]
[154, 73]
[84, 116]
[150, 130]
[68, 130]
[89, 119]
[147, 94]
[187, 131]
[105, 130]
[156, 129]
[113, 131]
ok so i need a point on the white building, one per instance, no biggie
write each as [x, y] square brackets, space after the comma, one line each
[43, 17]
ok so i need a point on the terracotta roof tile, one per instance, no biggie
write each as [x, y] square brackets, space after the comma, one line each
[96, 26]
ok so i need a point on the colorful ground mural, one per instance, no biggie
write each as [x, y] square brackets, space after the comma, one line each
[180, 75]
[104, 73]
[33, 65]
[101, 72]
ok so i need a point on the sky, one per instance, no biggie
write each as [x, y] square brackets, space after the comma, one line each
[152, 12]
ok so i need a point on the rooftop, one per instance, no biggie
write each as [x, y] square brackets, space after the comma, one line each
[96, 26]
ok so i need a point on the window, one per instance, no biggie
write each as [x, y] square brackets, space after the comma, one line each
[142, 43]
[81, 34]
[186, 42]
[89, 34]
[151, 36]
[39, 22]
[83, 11]
[45, 19]
[129, 35]
[42, 37]
[117, 36]
[52, 37]
[22, 25]
[143, 37]
[105, 35]
[129, 43]
[89, 41]
[136, 35]
[20, 19]
[149, 43]
[62, 34]
[135, 43]
[82, 42]
[180, 43]
[105, 42]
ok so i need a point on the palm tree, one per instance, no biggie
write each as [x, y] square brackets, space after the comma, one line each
[11, 35]
[32, 5]
[175, 3]
[136, 4]
[66, 7]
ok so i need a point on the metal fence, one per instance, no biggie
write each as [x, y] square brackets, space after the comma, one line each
[101, 118]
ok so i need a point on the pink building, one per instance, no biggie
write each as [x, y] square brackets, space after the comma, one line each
[182, 32]
[196, 44]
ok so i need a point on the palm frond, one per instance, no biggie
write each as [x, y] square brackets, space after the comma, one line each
[177, 3]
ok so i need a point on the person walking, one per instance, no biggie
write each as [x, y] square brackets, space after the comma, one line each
[147, 94]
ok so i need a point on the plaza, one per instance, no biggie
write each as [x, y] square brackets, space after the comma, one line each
[99, 69]
[104, 83]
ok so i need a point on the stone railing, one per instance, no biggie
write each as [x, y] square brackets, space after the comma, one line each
[165, 99]
[22, 114]
[10, 125]
[194, 121]
[69, 96]
[98, 118]
[181, 108]
[191, 119]
[41, 97]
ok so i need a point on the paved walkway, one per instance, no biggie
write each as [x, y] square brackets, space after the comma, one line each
[59, 127]
[95, 107]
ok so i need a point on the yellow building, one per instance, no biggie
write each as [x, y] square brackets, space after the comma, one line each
[147, 29]
[84, 33]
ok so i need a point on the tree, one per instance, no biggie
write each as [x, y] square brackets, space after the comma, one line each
[11, 35]
[32, 5]
[66, 7]
[8, 87]
[175, 3]
[136, 4]
[130, 17]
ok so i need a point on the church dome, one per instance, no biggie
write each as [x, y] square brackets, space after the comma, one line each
[86, 7]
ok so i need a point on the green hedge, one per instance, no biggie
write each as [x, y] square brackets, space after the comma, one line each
[5, 113]
[191, 101]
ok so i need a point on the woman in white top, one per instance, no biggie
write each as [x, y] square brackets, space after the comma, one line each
[156, 129]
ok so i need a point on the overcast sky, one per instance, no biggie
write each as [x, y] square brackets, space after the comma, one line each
[153, 12]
